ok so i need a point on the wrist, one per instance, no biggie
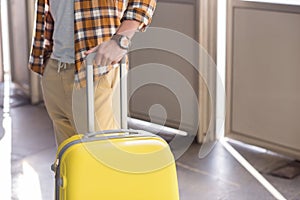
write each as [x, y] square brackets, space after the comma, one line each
[128, 28]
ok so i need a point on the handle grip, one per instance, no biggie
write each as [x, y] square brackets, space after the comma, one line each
[90, 58]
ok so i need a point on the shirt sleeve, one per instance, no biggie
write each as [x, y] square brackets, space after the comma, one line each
[141, 11]
[49, 26]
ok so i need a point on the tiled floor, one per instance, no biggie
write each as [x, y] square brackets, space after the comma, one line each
[217, 177]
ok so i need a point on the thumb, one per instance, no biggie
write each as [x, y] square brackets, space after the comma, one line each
[91, 50]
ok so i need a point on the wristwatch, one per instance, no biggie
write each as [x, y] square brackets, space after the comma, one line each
[122, 40]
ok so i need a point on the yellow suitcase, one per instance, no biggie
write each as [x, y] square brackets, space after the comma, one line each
[114, 164]
[123, 166]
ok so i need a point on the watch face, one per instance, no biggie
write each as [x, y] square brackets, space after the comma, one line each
[124, 42]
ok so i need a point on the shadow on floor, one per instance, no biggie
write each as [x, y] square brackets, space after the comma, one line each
[217, 177]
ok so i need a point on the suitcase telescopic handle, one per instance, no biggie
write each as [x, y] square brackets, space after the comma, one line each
[90, 93]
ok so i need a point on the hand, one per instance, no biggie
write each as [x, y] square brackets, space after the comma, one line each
[108, 53]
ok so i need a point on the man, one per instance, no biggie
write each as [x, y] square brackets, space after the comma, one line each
[66, 31]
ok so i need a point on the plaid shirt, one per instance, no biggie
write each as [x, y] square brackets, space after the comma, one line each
[95, 21]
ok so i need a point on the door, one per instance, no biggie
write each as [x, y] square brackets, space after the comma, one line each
[263, 85]
[157, 103]
[149, 96]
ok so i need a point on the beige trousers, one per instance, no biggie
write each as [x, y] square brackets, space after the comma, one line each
[66, 105]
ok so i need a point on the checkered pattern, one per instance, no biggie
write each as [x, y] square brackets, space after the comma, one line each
[95, 22]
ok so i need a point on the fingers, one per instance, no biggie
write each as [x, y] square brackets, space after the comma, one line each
[91, 50]
[103, 59]
[117, 59]
[107, 53]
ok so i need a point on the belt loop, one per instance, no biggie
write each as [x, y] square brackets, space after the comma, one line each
[59, 66]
